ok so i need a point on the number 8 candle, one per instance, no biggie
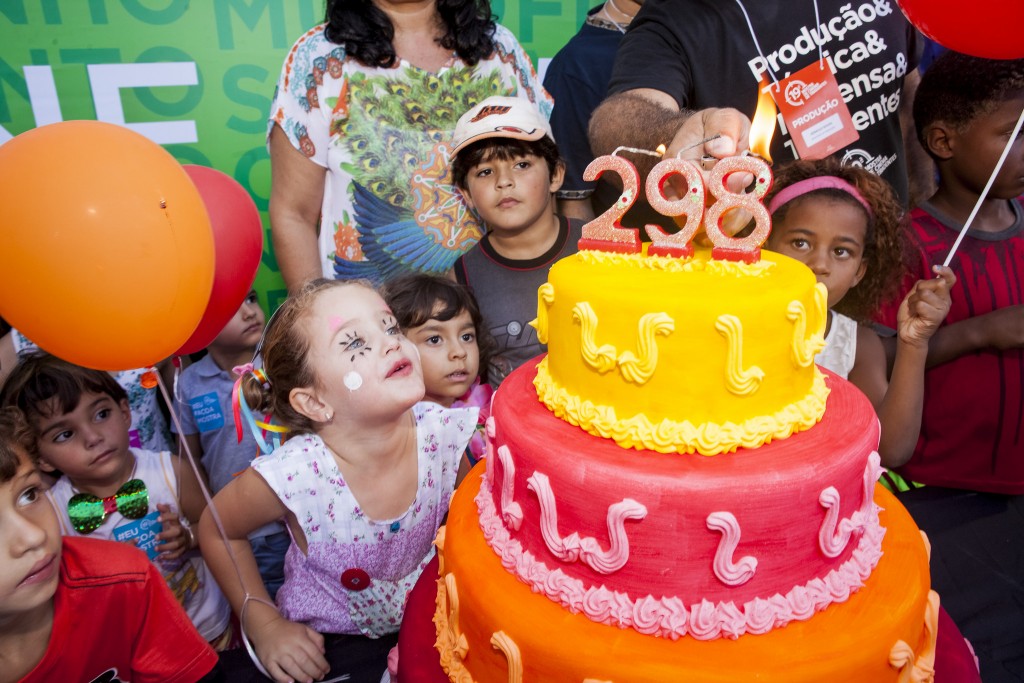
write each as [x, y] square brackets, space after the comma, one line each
[746, 249]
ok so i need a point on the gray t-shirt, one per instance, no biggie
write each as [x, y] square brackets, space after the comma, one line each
[506, 290]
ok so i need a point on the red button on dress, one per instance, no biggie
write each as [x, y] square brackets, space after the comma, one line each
[355, 579]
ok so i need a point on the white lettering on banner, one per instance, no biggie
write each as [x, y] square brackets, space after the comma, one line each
[42, 93]
[809, 39]
[107, 80]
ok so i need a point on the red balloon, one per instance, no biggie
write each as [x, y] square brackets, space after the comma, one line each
[986, 28]
[238, 248]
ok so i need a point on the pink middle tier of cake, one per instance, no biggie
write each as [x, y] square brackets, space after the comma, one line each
[744, 542]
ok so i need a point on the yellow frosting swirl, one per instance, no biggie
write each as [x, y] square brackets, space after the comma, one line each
[600, 358]
[639, 370]
[545, 295]
[739, 381]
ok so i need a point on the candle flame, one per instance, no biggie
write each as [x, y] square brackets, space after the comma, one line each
[762, 127]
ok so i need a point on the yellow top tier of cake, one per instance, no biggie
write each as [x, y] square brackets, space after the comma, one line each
[672, 355]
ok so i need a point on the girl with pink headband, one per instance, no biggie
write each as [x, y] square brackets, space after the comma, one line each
[845, 224]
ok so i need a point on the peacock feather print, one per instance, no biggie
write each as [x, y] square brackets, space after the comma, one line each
[407, 213]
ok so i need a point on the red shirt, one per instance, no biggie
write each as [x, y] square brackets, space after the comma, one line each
[115, 620]
[972, 429]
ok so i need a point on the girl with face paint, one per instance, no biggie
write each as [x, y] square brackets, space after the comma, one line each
[362, 481]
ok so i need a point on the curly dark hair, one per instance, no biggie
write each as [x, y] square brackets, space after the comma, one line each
[417, 298]
[367, 33]
[957, 88]
[885, 244]
[503, 149]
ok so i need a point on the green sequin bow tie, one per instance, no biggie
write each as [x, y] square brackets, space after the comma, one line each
[87, 512]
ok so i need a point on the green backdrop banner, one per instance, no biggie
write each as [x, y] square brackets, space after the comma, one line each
[193, 75]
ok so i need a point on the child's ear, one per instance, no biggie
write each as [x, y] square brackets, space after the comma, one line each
[126, 412]
[467, 198]
[305, 402]
[940, 139]
[861, 272]
[557, 176]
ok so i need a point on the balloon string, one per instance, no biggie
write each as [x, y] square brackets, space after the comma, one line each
[984, 192]
[176, 419]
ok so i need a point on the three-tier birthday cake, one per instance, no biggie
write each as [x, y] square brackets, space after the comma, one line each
[676, 492]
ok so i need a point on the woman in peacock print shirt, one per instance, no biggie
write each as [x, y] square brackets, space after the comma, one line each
[359, 135]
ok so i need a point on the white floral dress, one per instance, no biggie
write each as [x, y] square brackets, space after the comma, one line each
[357, 572]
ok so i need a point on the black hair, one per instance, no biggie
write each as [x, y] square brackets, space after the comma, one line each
[39, 378]
[957, 88]
[366, 31]
[504, 149]
[417, 298]
[16, 441]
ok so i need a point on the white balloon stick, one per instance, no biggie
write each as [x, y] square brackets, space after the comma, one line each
[984, 193]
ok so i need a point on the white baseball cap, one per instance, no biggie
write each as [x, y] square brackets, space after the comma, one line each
[500, 117]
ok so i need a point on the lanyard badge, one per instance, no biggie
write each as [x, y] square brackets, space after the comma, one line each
[813, 110]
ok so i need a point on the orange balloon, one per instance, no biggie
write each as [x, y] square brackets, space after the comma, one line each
[107, 254]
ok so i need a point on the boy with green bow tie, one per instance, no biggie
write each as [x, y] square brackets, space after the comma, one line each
[107, 600]
[108, 490]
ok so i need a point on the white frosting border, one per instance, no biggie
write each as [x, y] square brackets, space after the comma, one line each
[668, 617]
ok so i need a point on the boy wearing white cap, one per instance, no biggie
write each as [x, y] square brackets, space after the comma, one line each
[507, 166]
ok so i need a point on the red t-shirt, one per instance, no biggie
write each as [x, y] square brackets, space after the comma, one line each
[972, 429]
[116, 620]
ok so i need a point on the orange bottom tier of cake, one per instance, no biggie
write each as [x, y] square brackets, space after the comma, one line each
[493, 629]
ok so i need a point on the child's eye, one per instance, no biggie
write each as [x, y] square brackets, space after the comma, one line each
[30, 495]
[61, 437]
[468, 337]
[354, 343]
[482, 172]
[393, 330]
[102, 414]
[252, 298]
[842, 252]
[523, 164]
[433, 340]
[800, 243]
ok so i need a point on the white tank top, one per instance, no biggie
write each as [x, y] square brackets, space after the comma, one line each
[840, 346]
[187, 577]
